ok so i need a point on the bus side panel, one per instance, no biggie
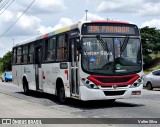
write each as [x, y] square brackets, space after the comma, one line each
[17, 75]
[50, 73]
[64, 73]
[14, 75]
[49, 78]
[29, 72]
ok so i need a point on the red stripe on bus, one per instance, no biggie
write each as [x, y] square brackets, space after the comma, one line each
[109, 80]
[66, 72]
[43, 77]
[46, 35]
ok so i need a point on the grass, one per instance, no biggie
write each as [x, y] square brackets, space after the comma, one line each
[155, 56]
[154, 65]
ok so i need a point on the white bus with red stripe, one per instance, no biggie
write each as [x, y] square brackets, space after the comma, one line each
[96, 60]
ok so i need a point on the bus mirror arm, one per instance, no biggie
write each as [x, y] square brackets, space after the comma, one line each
[79, 47]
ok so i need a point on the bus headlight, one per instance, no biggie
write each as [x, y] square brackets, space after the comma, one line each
[90, 85]
[137, 83]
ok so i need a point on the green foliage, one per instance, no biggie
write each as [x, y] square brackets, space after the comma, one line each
[150, 43]
[147, 59]
[1, 64]
[6, 62]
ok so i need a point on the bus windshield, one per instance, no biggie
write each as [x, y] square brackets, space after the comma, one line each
[111, 55]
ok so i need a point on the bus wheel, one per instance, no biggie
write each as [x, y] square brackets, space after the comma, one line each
[61, 95]
[25, 87]
[149, 86]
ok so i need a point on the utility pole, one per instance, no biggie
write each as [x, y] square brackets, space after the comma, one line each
[86, 14]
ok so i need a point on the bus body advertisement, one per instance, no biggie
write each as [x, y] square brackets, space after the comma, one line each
[93, 60]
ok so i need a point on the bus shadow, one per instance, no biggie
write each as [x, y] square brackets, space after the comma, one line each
[83, 105]
[40, 95]
[86, 105]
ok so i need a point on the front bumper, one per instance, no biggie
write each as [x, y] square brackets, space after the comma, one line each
[99, 94]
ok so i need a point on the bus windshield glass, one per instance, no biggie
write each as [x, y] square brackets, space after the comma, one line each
[111, 55]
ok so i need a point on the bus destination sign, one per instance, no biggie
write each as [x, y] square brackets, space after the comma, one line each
[109, 29]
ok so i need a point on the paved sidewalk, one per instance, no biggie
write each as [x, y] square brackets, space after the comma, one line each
[11, 107]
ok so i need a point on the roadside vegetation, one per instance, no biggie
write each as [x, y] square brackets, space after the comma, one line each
[154, 65]
[5, 63]
[151, 48]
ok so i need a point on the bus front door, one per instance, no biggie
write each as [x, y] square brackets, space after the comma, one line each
[74, 81]
[38, 69]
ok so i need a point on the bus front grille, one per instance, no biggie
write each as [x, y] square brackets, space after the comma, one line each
[114, 93]
[121, 86]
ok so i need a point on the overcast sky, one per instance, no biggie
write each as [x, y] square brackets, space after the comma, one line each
[47, 15]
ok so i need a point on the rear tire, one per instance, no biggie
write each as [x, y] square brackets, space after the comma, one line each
[61, 95]
[149, 86]
[25, 87]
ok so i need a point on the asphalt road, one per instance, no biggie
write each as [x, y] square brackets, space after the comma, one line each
[146, 107]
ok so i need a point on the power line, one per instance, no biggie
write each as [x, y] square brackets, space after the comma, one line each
[7, 7]
[17, 19]
[4, 5]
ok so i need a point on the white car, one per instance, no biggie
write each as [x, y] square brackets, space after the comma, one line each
[152, 80]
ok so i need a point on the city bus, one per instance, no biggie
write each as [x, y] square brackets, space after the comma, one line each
[92, 60]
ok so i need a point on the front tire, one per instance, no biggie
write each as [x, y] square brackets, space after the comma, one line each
[149, 86]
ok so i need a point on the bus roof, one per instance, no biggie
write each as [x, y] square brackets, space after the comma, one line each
[109, 21]
[65, 29]
[55, 32]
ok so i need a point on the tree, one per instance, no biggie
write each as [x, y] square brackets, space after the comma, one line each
[1, 64]
[7, 61]
[150, 43]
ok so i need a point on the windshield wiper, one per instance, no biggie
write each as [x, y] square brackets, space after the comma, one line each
[87, 59]
[103, 44]
[124, 43]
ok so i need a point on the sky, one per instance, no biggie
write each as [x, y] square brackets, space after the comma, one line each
[47, 15]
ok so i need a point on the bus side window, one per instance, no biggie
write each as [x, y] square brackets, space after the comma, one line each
[28, 59]
[31, 53]
[52, 46]
[25, 54]
[50, 49]
[19, 55]
[14, 56]
[47, 56]
[62, 51]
